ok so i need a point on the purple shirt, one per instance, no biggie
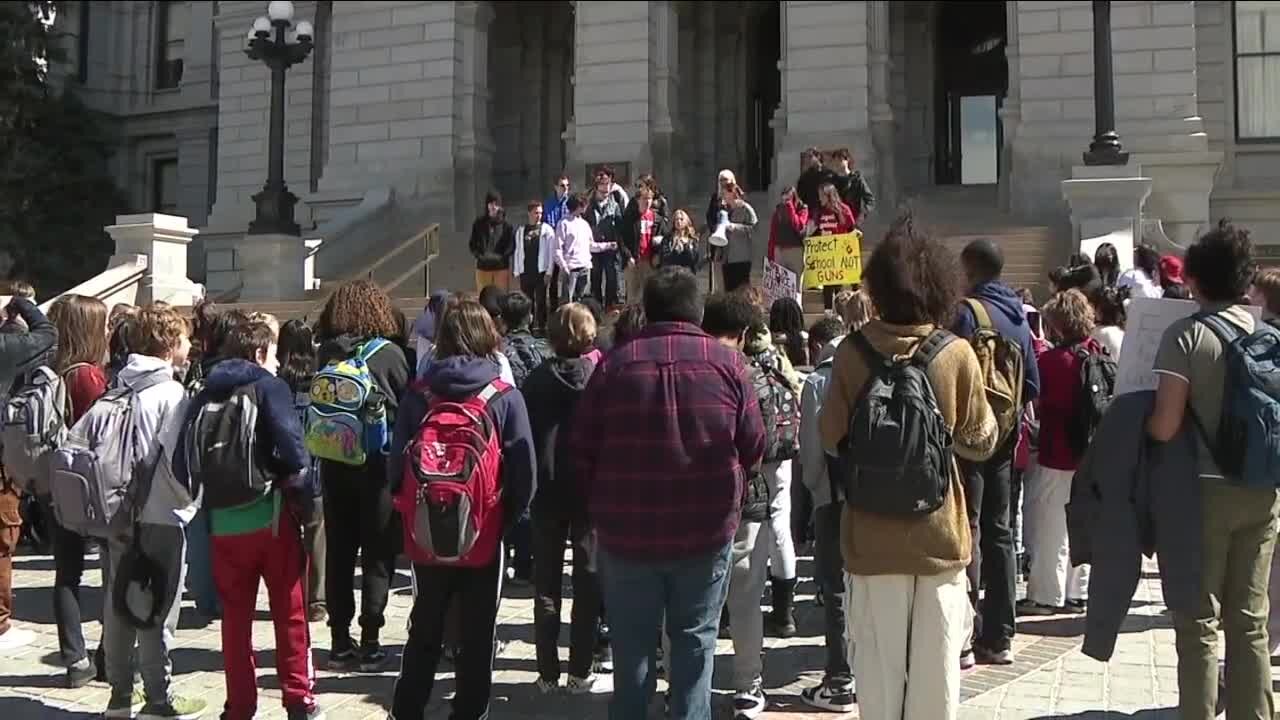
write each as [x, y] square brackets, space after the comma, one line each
[664, 436]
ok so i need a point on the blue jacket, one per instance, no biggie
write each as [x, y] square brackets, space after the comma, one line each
[1130, 497]
[555, 209]
[458, 378]
[1005, 308]
[279, 432]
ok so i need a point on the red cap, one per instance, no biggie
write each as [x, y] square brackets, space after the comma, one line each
[1171, 269]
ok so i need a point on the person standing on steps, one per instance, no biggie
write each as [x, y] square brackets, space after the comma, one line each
[830, 217]
[739, 253]
[492, 244]
[19, 354]
[534, 257]
[853, 188]
[604, 215]
[992, 306]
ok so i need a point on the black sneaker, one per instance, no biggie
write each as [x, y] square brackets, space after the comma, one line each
[343, 660]
[1076, 607]
[81, 673]
[372, 658]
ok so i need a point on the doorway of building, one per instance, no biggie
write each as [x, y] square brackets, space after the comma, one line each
[764, 90]
[972, 80]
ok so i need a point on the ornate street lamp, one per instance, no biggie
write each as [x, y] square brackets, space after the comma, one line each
[279, 44]
[1105, 148]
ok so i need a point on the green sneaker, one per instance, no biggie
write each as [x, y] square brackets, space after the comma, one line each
[177, 708]
[124, 707]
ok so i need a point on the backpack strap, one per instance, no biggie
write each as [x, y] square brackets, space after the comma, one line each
[878, 364]
[368, 348]
[1225, 330]
[931, 347]
[980, 314]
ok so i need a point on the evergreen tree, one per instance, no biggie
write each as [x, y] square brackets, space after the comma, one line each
[56, 193]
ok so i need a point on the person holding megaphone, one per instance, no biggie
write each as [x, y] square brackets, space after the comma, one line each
[732, 234]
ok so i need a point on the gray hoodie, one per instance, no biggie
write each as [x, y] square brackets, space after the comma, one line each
[742, 222]
[813, 461]
[159, 415]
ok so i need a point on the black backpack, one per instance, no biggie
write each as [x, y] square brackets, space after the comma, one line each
[1097, 388]
[898, 453]
[222, 453]
[779, 407]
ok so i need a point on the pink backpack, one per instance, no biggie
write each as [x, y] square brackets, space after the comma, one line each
[450, 498]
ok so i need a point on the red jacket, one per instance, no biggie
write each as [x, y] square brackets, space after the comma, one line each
[787, 212]
[846, 222]
[85, 384]
[1059, 394]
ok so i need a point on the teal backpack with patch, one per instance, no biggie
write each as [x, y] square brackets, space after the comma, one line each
[346, 421]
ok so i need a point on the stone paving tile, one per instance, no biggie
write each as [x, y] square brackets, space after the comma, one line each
[1049, 679]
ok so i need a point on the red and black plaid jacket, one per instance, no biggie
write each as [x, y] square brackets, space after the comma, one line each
[663, 438]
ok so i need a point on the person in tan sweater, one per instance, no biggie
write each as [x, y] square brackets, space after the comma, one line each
[908, 602]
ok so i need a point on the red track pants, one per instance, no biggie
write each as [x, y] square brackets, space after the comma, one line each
[238, 562]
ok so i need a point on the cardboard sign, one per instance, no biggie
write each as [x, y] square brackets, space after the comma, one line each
[779, 282]
[1146, 321]
[833, 260]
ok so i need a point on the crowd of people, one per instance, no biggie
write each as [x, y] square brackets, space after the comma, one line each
[944, 434]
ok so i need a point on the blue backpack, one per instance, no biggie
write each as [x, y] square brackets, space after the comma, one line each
[347, 419]
[1247, 446]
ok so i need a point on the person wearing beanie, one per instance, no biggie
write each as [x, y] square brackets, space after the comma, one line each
[492, 244]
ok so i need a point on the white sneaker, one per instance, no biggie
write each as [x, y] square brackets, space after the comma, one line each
[580, 685]
[15, 638]
[837, 698]
[749, 704]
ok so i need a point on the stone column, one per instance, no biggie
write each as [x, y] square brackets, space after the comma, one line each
[781, 166]
[533, 69]
[709, 40]
[558, 35]
[163, 239]
[474, 143]
[1011, 111]
[687, 72]
[664, 91]
[881, 112]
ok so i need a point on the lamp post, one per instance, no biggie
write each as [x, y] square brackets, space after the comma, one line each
[1105, 148]
[279, 44]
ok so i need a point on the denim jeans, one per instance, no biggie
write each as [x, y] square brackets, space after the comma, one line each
[573, 284]
[200, 572]
[166, 546]
[689, 592]
[829, 566]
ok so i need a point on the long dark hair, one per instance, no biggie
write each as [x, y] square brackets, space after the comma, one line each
[786, 321]
[296, 352]
[1108, 264]
[1146, 259]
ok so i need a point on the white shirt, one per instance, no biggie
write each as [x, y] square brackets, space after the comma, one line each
[1140, 284]
[1109, 337]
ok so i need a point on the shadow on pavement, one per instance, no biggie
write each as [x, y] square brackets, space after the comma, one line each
[1154, 714]
[17, 708]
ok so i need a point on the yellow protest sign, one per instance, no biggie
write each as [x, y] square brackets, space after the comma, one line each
[833, 260]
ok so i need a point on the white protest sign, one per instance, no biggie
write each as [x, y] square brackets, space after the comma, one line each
[779, 282]
[1122, 240]
[1147, 319]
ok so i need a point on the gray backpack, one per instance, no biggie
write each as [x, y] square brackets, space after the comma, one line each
[91, 473]
[33, 425]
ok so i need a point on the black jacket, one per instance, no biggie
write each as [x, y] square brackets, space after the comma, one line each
[855, 192]
[689, 256]
[22, 352]
[809, 182]
[492, 243]
[631, 224]
[551, 393]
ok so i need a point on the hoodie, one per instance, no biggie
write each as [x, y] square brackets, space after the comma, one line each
[813, 460]
[1005, 308]
[552, 392]
[458, 378]
[492, 242]
[161, 405]
[23, 352]
[278, 437]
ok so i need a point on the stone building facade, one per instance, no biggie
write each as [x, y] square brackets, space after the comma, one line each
[440, 101]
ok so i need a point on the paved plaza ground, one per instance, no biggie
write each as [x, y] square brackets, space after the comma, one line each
[1050, 679]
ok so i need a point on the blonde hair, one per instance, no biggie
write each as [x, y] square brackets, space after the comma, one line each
[571, 330]
[82, 331]
[688, 235]
[854, 308]
[1069, 314]
[1267, 283]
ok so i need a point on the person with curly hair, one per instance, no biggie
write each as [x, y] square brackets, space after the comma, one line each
[908, 596]
[359, 517]
[1238, 521]
[1108, 305]
[1053, 584]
